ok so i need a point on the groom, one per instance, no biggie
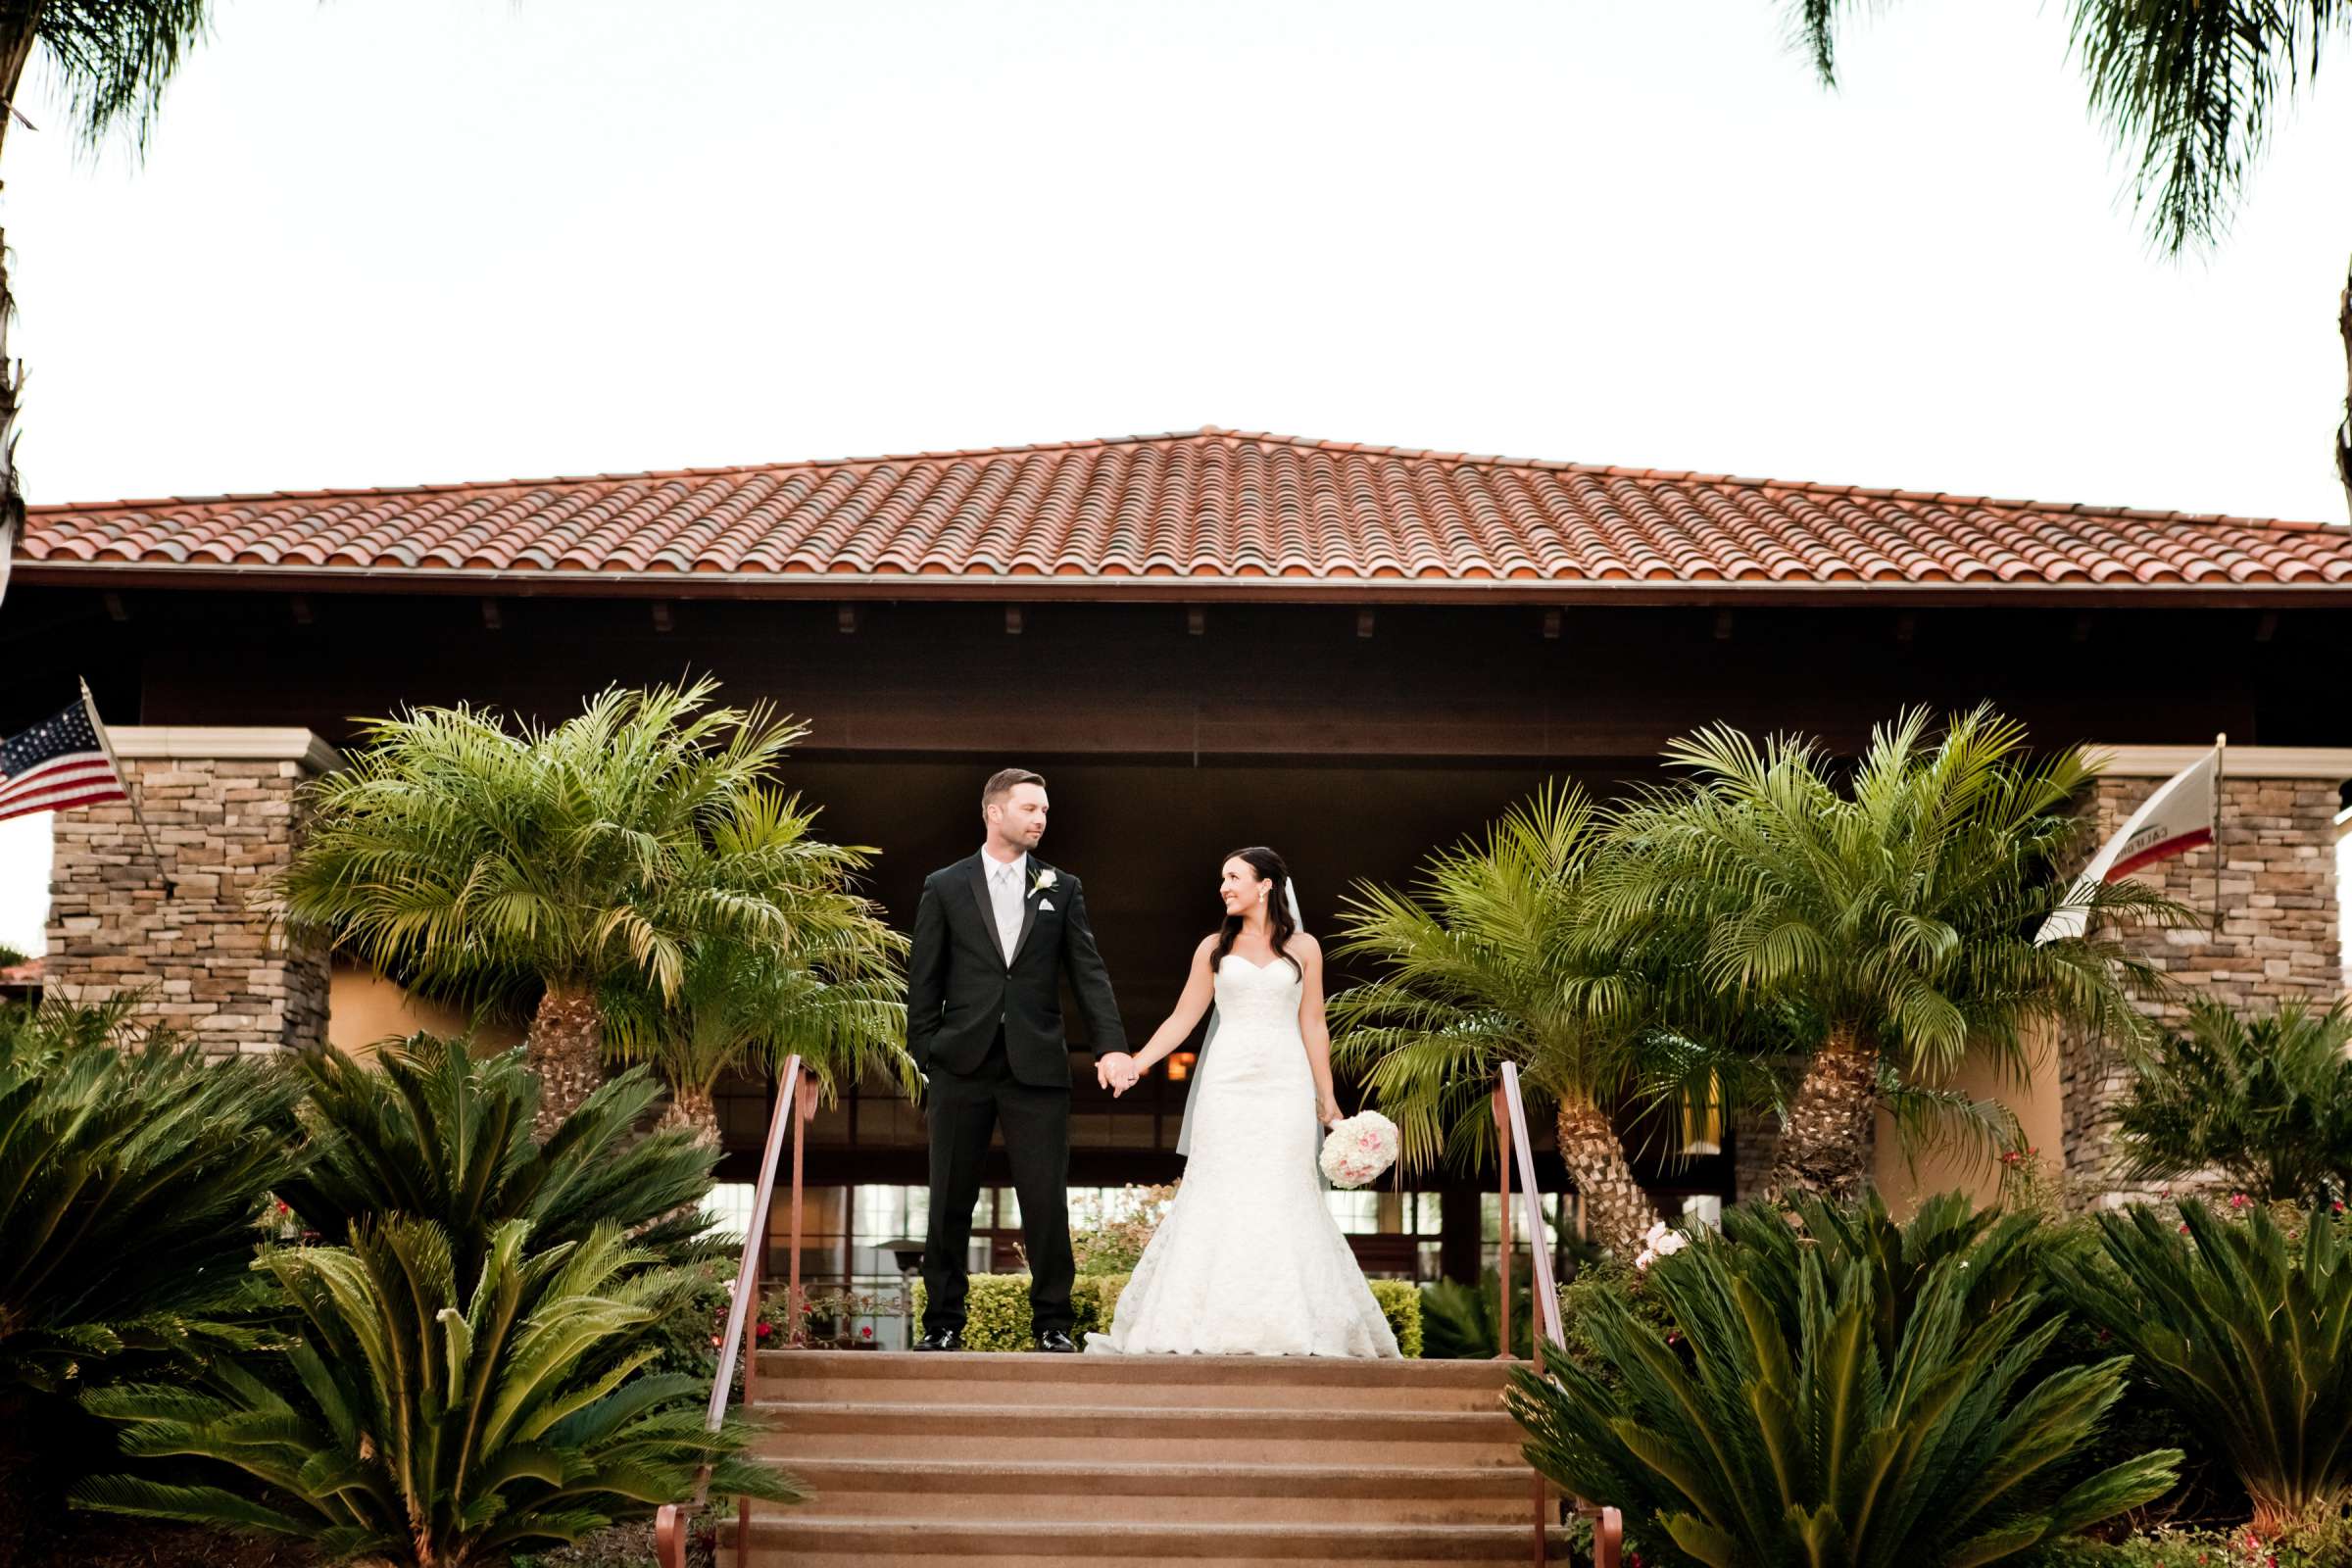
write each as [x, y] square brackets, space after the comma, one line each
[993, 937]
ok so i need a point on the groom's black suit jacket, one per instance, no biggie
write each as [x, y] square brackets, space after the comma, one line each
[961, 988]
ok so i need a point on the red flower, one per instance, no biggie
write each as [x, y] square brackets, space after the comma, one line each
[765, 1329]
[2240, 1200]
[284, 1207]
[867, 1332]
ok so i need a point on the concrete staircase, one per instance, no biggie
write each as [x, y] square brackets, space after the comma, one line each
[1148, 1461]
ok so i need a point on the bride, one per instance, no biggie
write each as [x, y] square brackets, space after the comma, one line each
[1249, 1260]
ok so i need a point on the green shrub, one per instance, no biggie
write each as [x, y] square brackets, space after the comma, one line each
[2248, 1333]
[1460, 1322]
[997, 1309]
[2266, 1101]
[1616, 1281]
[1400, 1303]
[2324, 1545]
[415, 1419]
[1859, 1392]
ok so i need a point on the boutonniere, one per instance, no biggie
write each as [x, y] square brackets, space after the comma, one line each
[1045, 879]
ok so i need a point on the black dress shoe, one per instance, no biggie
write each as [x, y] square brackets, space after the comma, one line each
[1056, 1342]
[940, 1339]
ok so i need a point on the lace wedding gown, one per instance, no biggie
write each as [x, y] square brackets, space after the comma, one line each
[1249, 1260]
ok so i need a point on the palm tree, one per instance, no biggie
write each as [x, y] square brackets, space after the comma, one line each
[1488, 962]
[835, 998]
[457, 853]
[2190, 91]
[2266, 1101]
[1885, 926]
[113, 58]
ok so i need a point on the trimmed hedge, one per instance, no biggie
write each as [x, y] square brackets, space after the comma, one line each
[997, 1309]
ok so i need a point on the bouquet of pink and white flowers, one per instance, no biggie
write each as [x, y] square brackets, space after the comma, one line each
[1360, 1149]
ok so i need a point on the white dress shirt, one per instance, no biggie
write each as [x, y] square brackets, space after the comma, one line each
[1008, 886]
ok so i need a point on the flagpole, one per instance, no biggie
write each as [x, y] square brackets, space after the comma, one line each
[130, 791]
[2220, 758]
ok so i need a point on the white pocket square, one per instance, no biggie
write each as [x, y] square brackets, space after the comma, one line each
[1045, 903]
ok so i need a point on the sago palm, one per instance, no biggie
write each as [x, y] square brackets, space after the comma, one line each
[833, 994]
[1862, 1402]
[132, 1173]
[428, 1418]
[2266, 1101]
[1486, 961]
[2248, 1333]
[428, 1131]
[456, 852]
[1887, 921]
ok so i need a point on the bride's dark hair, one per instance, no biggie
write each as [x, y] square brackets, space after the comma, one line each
[1279, 926]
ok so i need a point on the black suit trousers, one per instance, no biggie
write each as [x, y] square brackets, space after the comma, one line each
[965, 1109]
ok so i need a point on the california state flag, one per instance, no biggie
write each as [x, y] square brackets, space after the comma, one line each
[2176, 820]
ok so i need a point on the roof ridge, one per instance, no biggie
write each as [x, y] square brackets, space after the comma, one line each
[1206, 432]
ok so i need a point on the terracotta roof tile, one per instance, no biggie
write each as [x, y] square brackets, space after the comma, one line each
[1209, 506]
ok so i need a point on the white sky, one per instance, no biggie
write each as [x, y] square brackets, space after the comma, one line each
[389, 241]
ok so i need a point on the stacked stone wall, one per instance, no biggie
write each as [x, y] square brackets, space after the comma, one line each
[187, 932]
[2277, 938]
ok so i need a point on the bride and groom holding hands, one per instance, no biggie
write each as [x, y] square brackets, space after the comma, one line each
[1248, 1259]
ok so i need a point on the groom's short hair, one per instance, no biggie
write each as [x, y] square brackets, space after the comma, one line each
[1003, 781]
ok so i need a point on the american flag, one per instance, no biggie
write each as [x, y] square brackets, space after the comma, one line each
[59, 764]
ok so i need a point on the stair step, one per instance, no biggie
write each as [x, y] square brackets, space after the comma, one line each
[1226, 1381]
[1017, 1492]
[784, 1541]
[913, 1434]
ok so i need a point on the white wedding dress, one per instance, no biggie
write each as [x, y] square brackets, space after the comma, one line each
[1249, 1260]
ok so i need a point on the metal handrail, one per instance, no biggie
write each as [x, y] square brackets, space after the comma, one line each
[741, 1335]
[1510, 1127]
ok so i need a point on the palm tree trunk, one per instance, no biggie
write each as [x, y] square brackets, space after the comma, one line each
[566, 1048]
[695, 1108]
[1617, 1211]
[1829, 1126]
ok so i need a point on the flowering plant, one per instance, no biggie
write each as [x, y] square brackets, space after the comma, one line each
[1360, 1149]
[1659, 1241]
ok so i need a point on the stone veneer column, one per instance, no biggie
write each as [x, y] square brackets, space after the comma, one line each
[224, 809]
[2279, 938]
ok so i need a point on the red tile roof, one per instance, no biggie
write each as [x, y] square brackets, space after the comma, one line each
[1198, 514]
